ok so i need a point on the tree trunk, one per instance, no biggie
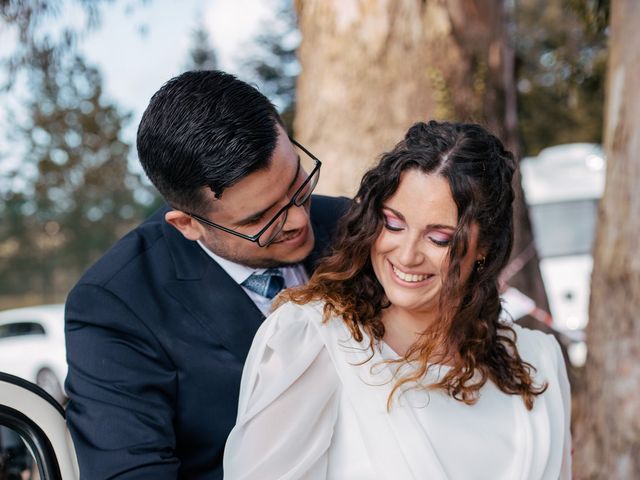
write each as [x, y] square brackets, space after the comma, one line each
[371, 68]
[607, 439]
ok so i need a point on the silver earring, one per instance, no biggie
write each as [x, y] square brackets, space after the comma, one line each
[480, 264]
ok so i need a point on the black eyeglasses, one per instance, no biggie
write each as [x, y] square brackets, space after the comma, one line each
[270, 231]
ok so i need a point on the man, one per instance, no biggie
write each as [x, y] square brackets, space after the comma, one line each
[158, 329]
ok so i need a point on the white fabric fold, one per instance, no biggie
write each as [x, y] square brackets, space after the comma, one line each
[313, 406]
[288, 405]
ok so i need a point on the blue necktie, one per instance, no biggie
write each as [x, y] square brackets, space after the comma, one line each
[267, 284]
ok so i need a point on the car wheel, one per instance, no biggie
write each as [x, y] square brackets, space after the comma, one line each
[48, 381]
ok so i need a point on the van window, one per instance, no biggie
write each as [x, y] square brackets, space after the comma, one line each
[564, 228]
[20, 329]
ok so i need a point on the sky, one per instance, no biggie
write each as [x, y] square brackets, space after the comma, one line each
[135, 65]
[139, 45]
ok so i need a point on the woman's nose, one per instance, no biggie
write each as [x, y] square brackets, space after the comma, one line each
[410, 252]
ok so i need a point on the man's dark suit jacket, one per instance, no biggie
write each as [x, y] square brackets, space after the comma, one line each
[157, 334]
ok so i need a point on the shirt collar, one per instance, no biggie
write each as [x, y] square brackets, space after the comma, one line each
[237, 271]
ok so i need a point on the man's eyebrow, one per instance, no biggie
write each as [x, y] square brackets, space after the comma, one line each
[254, 217]
[430, 226]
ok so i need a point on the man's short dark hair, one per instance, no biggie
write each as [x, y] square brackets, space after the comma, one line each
[205, 129]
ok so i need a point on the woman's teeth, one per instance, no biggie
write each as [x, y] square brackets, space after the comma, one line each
[408, 277]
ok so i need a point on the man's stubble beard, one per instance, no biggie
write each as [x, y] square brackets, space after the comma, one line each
[223, 250]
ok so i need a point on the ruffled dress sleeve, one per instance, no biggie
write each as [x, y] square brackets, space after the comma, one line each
[289, 400]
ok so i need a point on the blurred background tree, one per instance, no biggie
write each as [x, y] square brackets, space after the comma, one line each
[273, 61]
[530, 70]
[560, 68]
[40, 25]
[607, 434]
[72, 194]
[202, 56]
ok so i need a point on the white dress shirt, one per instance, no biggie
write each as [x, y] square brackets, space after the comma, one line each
[293, 275]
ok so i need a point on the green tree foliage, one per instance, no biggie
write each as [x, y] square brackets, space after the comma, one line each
[39, 25]
[72, 195]
[273, 62]
[594, 13]
[561, 63]
[202, 56]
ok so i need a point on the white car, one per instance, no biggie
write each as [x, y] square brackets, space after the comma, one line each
[32, 346]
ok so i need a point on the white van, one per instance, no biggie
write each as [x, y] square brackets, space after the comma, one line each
[562, 186]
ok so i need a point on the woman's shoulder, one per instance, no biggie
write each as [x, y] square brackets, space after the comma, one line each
[294, 323]
[303, 310]
[295, 315]
[306, 324]
[526, 336]
[537, 347]
[287, 350]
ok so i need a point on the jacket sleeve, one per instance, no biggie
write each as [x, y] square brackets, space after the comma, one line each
[288, 403]
[121, 387]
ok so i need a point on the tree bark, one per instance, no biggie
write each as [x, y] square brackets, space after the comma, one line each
[371, 68]
[607, 439]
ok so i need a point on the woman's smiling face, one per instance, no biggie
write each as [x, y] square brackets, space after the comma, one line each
[410, 255]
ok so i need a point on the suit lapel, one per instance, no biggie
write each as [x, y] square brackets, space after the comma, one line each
[214, 299]
[211, 296]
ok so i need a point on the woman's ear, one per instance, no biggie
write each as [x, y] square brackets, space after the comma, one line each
[481, 251]
[189, 227]
[481, 257]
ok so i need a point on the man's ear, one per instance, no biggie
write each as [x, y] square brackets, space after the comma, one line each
[186, 225]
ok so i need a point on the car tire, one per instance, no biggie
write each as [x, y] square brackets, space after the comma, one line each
[48, 381]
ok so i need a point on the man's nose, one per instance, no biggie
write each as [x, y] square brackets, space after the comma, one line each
[297, 217]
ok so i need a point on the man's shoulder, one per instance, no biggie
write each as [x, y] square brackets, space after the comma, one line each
[329, 207]
[141, 241]
[326, 211]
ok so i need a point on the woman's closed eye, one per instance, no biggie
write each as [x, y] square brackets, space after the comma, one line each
[440, 238]
[393, 224]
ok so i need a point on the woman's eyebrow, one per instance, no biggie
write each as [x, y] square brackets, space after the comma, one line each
[395, 212]
[440, 226]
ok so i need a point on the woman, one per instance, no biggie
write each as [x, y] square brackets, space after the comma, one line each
[392, 363]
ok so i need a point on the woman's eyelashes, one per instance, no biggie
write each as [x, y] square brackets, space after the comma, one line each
[393, 224]
[440, 242]
[439, 238]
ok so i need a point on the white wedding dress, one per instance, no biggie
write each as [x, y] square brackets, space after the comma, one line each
[311, 409]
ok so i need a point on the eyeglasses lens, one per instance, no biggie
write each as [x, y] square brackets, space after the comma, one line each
[306, 186]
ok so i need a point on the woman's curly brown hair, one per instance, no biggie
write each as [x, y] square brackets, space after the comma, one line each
[479, 171]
